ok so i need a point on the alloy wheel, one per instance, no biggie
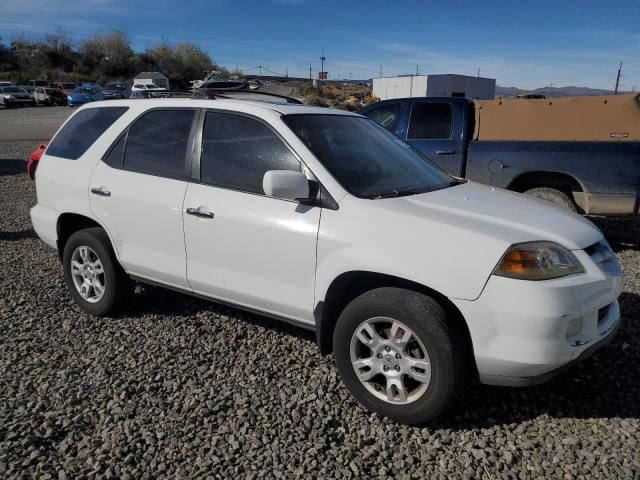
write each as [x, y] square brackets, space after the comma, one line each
[87, 274]
[390, 360]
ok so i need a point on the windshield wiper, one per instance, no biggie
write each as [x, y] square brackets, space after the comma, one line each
[391, 194]
[397, 193]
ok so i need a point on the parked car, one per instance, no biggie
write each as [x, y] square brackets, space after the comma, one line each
[66, 87]
[28, 88]
[32, 161]
[417, 281]
[49, 96]
[87, 93]
[149, 90]
[15, 96]
[4, 83]
[582, 153]
[115, 90]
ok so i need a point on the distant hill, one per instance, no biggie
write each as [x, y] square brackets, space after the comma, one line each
[551, 92]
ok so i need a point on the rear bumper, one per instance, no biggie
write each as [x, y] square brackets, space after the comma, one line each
[45, 223]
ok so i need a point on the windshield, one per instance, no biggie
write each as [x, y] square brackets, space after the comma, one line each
[365, 158]
[13, 90]
[85, 90]
[114, 86]
[151, 85]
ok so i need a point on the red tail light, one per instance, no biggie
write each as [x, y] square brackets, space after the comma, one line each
[32, 162]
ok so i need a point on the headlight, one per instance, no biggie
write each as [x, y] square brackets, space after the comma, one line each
[8, 97]
[538, 261]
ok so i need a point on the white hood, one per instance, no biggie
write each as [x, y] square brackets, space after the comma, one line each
[508, 216]
[449, 240]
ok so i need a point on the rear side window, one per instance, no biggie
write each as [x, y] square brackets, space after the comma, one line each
[430, 120]
[157, 143]
[386, 115]
[237, 151]
[82, 130]
[115, 155]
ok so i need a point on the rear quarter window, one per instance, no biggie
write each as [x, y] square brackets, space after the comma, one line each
[82, 130]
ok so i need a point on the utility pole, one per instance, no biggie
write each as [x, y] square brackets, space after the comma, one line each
[380, 71]
[349, 76]
[417, 69]
[615, 92]
[260, 74]
[478, 72]
[310, 77]
[322, 59]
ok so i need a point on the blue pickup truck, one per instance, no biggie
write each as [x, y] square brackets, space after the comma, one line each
[582, 153]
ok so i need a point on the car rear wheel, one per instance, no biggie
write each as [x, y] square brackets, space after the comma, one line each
[95, 279]
[399, 354]
[553, 195]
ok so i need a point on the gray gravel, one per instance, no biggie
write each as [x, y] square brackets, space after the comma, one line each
[178, 387]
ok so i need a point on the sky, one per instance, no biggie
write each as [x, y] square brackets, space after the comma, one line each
[522, 44]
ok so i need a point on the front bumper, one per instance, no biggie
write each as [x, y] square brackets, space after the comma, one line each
[19, 101]
[525, 332]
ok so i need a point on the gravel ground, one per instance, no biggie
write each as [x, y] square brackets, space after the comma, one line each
[178, 387]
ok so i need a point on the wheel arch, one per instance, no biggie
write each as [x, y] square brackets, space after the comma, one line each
[349, 285]
[541, 178]
[70, 222]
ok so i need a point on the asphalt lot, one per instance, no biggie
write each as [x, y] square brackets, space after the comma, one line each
[31, 123]
[178, 387]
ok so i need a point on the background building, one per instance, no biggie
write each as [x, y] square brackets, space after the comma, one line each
[446, 85]
[157, 78]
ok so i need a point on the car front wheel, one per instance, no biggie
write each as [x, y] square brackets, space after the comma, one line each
[399, 354]
[95, 279]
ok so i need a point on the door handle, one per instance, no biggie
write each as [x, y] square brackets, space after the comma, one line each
[101, 191]
[445, 152]
[200, 212]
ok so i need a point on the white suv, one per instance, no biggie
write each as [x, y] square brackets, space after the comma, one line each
[417, 281]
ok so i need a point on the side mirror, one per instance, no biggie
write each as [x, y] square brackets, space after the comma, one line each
[286, 184]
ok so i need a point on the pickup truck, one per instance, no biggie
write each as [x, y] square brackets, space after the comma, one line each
[582, 152]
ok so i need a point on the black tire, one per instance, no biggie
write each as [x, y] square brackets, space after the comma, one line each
[553, 195]
[445, 344]
[118, 287]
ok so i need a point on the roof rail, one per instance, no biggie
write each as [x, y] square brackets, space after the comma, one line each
[210, 94]
[213, 93]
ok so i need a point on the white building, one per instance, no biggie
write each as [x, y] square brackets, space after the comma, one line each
[157, 78]
[446, 85]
